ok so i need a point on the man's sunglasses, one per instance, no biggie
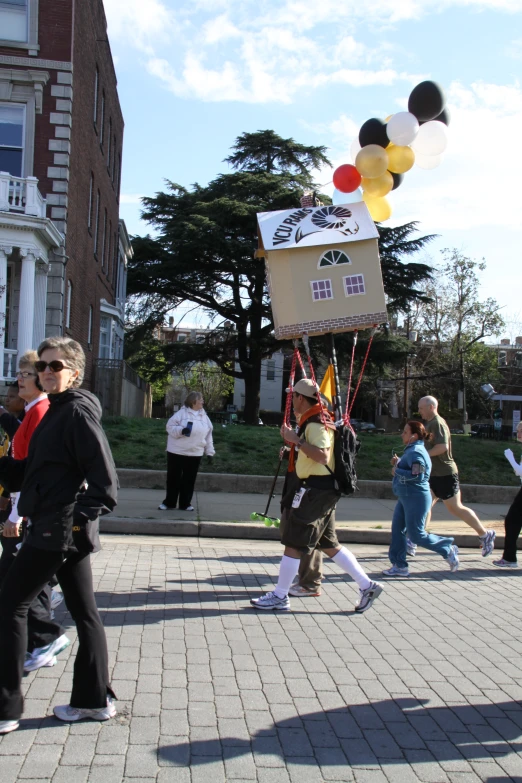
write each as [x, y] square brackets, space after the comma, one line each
[54, 366]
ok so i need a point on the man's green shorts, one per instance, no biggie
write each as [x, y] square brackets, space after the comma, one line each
[311, 525]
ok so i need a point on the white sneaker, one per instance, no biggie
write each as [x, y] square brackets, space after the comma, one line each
[411, 548]
[8, 725]
[56, 598]
[271, 601]
[43, 656]
[163, 507]
[488, 543]
[188, 508]
[368, 596]
[396, 571]
[453, 559]
[505, 563]
[72, 714]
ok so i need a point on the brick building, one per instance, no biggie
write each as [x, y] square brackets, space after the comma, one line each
[63, 249]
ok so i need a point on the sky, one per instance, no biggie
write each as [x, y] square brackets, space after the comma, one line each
[192, 76]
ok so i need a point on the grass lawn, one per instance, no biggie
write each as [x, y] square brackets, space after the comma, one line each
[140, 443]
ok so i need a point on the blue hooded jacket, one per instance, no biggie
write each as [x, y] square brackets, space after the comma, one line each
[413, 470]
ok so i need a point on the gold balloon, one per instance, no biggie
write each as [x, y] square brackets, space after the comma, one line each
[388, 118]
[371, 161]
[400, 159]
[379, 208]
[378, 186]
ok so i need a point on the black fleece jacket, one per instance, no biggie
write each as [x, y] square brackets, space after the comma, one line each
[68, 477]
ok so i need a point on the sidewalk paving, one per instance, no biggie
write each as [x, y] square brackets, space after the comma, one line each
[358, 513]
[426, 686]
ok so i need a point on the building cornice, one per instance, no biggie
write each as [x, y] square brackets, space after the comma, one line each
[44, 228]
[32, 62]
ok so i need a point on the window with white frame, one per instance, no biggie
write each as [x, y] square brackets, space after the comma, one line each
[104, 239]
[109, 148]
[12, 133]
[333, 257]
[14, 20]
[89, 327]
[96, 222]
[353, 285]
[321, 289]
[91, 195]
[96, 86]
[270, 370]
[105, 337]
[68, 304]
[102, 117]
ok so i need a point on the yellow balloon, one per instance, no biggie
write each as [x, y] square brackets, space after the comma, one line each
[388, 118]
[378, 186]
[379, 208]
[400, 159]
[371, 161]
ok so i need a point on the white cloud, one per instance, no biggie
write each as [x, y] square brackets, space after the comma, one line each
[131, 198]
[143, 25]
[514, 50]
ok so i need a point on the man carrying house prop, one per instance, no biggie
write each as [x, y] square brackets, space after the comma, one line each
[309, 501]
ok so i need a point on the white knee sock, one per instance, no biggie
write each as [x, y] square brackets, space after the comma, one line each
[287, 573]
[349, 564]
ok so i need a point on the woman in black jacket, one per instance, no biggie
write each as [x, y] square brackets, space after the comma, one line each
[66, 482]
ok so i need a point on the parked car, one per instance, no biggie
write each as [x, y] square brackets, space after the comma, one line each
[366, 426]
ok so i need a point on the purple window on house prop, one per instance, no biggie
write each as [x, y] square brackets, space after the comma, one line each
[321, 289]
[354, 284]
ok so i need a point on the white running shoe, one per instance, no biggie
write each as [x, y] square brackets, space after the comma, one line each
[368, 596]
[411, 548]
[188, 508]
[271, 601]
[396, 571]
[43, 656]
[505, 563]
[8, 725]
[488, 543]
[72, 714]
[56, 598]
[453, 559]
[298, 591]
[163, 507]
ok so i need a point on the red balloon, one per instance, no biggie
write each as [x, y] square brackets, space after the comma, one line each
[346, 178]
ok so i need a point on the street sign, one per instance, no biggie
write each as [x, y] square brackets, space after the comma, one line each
[498, 424]
[516, 420]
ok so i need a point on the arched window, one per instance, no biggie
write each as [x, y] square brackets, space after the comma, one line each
[333, 258]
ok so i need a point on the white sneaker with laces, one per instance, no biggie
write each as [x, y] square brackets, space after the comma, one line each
[8, 725]
[368, 596]
[43, 656]
[163, 507]
[188, 508]
[453, 559]
[396, 571]
[72, 714]
[505, 563]
[488, 543]
[271, 601]
[411, 548]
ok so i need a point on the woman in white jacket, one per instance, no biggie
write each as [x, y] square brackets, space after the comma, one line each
[190, 437]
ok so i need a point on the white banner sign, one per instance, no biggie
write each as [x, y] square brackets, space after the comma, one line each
[310, 226]
[516, 420]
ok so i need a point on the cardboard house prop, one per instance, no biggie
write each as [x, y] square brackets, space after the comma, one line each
[323, 269]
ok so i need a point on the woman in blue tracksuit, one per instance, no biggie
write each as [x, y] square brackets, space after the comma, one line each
[411, 474]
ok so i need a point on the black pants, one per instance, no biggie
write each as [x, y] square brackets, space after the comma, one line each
[31, 570]
[513, 526]
[41, 630]
[181, 477]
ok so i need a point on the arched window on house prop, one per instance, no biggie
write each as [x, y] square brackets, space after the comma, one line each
[333, 258]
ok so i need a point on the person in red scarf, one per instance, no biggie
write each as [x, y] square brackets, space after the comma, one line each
[309, 502]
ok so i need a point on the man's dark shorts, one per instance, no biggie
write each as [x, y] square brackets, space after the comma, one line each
[312, 525]
[445, 487]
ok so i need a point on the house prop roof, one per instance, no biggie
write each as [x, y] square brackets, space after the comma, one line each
[309, 226]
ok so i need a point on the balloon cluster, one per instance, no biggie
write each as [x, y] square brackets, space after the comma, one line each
[387, 149]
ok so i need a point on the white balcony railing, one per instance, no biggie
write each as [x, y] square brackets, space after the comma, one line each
[21, 195]
[8, 364]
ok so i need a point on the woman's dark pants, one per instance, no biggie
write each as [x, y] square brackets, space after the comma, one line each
[30, 572]
[181, 477]
[513, 526]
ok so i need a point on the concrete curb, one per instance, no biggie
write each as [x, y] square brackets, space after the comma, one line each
[235, 483]
[257, 531]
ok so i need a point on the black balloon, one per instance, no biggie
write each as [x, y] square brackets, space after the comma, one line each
[426, 101]
[373, 132]
[444, 117]
[397, 179]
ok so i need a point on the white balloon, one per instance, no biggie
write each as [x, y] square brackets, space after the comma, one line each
[427, 161]
[355, 149]
[432, 139]
[402, 128]
[347, 198]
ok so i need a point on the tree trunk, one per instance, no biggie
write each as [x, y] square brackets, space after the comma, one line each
[252, 379]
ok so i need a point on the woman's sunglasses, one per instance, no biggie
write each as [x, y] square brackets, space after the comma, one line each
[54, 366]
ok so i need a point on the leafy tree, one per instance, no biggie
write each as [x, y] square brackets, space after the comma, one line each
[206, 378]
[203, 252]
[146, 356]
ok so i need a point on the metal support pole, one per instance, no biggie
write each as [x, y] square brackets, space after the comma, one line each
[336, 397]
